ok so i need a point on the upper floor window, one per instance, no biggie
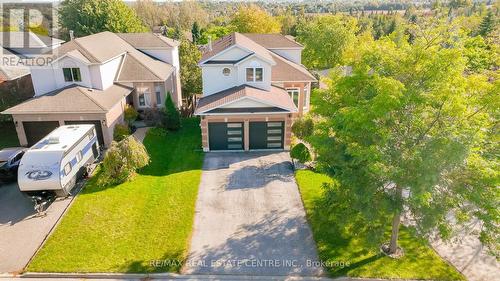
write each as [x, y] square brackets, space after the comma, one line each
[255, 74]
[294, 95]
[72, 75]
[226, 71]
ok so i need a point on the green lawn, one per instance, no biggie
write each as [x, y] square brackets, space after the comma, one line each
[126, 227]
[9, 135]
[334, 245]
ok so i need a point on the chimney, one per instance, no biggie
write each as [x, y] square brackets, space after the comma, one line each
[71, 35]
[209, 43]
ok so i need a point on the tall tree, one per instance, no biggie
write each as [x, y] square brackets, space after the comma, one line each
[400, 133]
[195, 32]
[189, 55]
[149, 12]
[325, 38]
[86, 17]
[253, 19]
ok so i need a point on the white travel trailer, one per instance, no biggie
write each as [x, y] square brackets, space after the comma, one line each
[56, 162]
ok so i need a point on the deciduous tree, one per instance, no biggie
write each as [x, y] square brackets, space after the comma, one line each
[86, 17]
[407, 135]
[253, 19]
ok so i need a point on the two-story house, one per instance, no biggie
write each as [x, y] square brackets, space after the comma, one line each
[254, 85]
[91, 79]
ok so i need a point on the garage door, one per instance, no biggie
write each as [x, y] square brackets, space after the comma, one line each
[266, 135]
[37, 130]
[97, 124]
[225, 136]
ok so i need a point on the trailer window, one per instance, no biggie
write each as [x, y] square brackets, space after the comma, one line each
[91, 135]
[79, 157]
[67, 169]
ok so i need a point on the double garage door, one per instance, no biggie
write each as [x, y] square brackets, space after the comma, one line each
[230, 136]
[37, 130]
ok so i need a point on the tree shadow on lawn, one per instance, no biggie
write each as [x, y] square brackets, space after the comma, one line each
[341, 244]
[170, 262]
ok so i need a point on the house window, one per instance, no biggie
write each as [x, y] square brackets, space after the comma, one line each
[158, 95]
[294, 95]
[142, 100]
[72, 75]
[255, 74]
[226, 71]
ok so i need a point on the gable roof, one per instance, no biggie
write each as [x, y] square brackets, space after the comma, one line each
[286, 70]
[21, 39]
[8, 72]
[73, 99]
[132, 69]
[276, 97]
[240, 40]
[273, 41]
[148, 40]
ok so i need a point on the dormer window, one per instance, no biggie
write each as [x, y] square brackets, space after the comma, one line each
[72, 75]
[255, 74]
[226, 71]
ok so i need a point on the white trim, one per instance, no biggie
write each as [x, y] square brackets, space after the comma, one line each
[244, 113]
[67, 55]
[251, 98]
[251, 53]
[287, 48]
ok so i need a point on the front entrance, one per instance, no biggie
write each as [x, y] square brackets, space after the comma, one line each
[226, 136]
[266, 135]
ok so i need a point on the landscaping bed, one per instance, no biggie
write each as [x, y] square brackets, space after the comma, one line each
[340, 248]
[139, 226]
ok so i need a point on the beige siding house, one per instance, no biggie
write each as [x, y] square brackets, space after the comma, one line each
[254, 86]
[91, 80]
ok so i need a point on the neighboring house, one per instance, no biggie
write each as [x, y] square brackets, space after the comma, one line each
[16, 50]
[254, 86]
[92, 78]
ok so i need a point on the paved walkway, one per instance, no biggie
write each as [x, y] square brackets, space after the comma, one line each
[250, 219]
[140, 133]
[468, 255]
[21, 231]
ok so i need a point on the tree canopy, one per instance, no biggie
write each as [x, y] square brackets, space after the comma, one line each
[324, 39]
[401, 133]
[189, 55]
[253, 19]
[86, 17]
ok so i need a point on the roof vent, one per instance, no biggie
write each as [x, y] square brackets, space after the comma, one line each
[53, 140]
[209, 43]
[71, 35]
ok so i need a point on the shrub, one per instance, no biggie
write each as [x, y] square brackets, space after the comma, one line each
[157, 131]
[303, 128]
[152, 116]
[172, 118]
[301, 153]
[130, 114]
[122, 160]
[120, 132]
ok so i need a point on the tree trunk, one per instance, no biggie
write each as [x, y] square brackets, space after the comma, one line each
[396, 221]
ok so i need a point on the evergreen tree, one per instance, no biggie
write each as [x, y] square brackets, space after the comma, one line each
[195, 32]
[487, 25]
[172, 117]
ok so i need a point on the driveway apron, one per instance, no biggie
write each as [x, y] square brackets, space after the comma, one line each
[250, 218]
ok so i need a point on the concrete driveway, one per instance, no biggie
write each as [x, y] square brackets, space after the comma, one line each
[21, 231]
[250, 219]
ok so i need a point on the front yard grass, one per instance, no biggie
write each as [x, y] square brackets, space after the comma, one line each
[336, 246]
[128, 227]
[9, 135]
